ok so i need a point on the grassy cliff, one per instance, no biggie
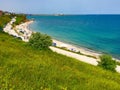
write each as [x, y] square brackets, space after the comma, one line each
[4, 19]
[23, 68]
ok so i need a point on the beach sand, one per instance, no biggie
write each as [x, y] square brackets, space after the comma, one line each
[19, 31]
[76, 49]
[26, 33]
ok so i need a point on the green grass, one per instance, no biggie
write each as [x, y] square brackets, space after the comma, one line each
[4, 19]
[76, 52]
[19, 19]
[23, 68]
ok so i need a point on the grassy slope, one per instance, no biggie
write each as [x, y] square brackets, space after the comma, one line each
[23, 68]
[4, 19]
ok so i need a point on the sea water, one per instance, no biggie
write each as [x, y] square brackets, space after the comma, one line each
[97, 32]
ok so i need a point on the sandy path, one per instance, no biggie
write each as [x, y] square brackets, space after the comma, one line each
[76, 56]
[82, 58]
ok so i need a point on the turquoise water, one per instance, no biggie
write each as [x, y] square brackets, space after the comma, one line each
[97, 32]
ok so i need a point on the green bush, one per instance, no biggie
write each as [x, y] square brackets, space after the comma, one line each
[40, 41]
[107, 62]
[20, 19]
[4, 19]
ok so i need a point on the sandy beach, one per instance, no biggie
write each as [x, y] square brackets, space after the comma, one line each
[24, 31]
[19, 31]
[76, 49]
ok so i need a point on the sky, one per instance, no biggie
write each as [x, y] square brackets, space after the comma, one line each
[61, 6]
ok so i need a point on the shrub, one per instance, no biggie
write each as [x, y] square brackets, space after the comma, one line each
[4, 19]
[20, 19]
[40, 41]
[107, 62]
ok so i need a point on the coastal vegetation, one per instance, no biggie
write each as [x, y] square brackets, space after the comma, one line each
[25, 68]
[107, 63]
[20, 18]
[40, 41]
[4, 19]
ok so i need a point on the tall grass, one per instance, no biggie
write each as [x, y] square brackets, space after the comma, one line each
[4, 19]
[23, 68]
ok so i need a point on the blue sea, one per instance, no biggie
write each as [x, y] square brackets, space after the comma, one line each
[96, 32]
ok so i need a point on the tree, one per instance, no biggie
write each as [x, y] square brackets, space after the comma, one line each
[40, 41]
[107, 62]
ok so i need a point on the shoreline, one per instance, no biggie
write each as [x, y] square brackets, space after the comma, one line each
[27, 32]
[74, 48]
[69, 46]
[82, 50]
[25, 27]
[61, 44]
